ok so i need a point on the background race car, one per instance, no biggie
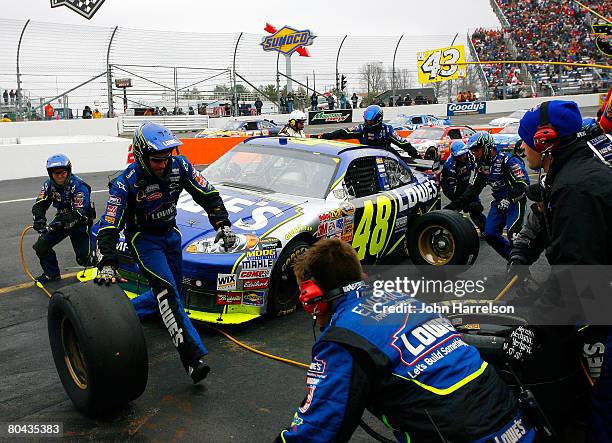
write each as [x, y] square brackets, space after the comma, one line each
[282, 196]
[413, 121]
[515, 117]
[242, 128]
[508, 140]
[436, 140]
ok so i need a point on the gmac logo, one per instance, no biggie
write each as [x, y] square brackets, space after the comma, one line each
[86, 8]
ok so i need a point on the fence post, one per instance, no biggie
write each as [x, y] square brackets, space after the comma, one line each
[234, 92]
[393, 68]
[19, 93]
[109, 76]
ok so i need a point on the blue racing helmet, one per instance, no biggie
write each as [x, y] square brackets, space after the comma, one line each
[482, 139]
[459, 148]
[59, 161]
[373, 116]
[153, 140]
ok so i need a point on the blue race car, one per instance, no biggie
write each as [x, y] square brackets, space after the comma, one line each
[284, 194]
[414, 121]
[508, 140]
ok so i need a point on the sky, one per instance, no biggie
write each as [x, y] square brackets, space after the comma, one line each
[356, 17]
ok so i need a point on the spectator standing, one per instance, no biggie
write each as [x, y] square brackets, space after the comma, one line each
[343, 102]
[290, 103]
[148, 112]
[97, 113]
[5, 96]
[407, 100]
[314, 101]
[391, 101]
[156, 111]
[354, 100]
[49, 111]
[87, 114]
[5, 119]
[12, 96]
[331, 102]
[191, 111]
[258, 105]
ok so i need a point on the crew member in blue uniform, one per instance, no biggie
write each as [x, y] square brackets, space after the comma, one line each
[508, 178]
[143, 200]
[455, 179]
[70, 195]
[410, 369]
[373, 132]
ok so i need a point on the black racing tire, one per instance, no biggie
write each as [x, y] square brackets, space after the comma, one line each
[284, 292]
[431, 153]
[442, 237]
[98, 347]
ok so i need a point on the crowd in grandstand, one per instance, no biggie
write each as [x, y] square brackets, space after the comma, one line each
[544, 30]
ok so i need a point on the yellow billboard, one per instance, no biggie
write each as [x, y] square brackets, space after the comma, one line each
[432, 66]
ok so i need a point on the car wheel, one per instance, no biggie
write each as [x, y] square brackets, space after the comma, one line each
[442, 238]
[284, 291]
[431, 153]
[98, 347]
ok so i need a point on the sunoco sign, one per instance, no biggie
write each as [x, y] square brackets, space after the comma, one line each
[466, 108]
[330, 117]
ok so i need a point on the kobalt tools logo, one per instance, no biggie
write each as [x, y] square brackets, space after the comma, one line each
[466, 108]
[86, 8]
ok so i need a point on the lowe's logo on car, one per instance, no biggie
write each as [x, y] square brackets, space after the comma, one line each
[466, 108]
[419, 193]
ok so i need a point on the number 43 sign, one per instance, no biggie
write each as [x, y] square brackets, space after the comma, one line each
[432, 65]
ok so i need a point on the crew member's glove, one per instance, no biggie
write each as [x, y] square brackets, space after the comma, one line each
[520, 345]
[503, 204]
[55, 226]
[107, 275]
[227, 236]
[40, 225]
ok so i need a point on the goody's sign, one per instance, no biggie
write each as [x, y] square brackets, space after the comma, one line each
[287, 40]
[466, 108]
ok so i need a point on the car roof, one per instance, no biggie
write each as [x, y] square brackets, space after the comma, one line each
[329, 147]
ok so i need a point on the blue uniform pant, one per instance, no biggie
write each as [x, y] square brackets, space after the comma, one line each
[512, 219]
[159, 258]
[79, 237]
[600, 426]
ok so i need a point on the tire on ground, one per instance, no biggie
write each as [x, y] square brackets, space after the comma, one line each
[442, 237]
[98, 346]
[284, 292]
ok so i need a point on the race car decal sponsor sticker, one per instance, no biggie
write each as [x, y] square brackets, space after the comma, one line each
[229, 298]
[331, 215]
[308, 401]
[262, 273]
[348, 229]
[114, 200]
[110, 220]
[154, 196]
[226, 282]
[256, 264]
[339, 194]
[270, 243]
[400, 223]
[261, 254]
[253, 298]
[347, 208]
[297, 230]
[111, 210]
[257, 283]
[336, 228]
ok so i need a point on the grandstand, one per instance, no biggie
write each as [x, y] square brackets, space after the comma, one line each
[541, 30]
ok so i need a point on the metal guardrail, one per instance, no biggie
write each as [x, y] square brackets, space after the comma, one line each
[176, 123]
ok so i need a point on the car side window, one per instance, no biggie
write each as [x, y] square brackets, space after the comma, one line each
[361, 177]
[454, 134]
[251, 126]
[266, 124]
[397, 174]
[467, 132]
[417, 120]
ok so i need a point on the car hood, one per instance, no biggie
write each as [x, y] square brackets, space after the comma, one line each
[249, 212]
[503, 121]
[506, 138]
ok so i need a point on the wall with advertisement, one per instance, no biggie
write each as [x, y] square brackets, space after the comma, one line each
[330, 117]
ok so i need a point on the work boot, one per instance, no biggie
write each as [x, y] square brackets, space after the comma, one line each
[44, 278]
[199, 371]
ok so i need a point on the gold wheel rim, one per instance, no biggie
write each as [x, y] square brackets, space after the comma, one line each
[436, 245]
[75, 361]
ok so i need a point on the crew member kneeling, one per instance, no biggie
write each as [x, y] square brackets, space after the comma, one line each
[412, 371]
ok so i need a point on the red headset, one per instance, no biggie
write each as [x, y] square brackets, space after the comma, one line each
[312, 297]
[546, 136]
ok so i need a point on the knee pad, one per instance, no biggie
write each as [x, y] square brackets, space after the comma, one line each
[41, 247]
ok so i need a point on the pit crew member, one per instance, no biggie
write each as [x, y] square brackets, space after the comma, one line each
[295, 125]
[70, 195]
[455, 179]
[143, 201]
[578, 209]
[506, 175]
[431, 388]
[373, 132]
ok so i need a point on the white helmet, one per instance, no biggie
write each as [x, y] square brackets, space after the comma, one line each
[296, 116]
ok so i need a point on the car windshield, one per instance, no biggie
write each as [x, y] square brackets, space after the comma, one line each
[399, 121]
[428, 133]
[273, 169]
[232, 125]
[518, 114]
[510, 129]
